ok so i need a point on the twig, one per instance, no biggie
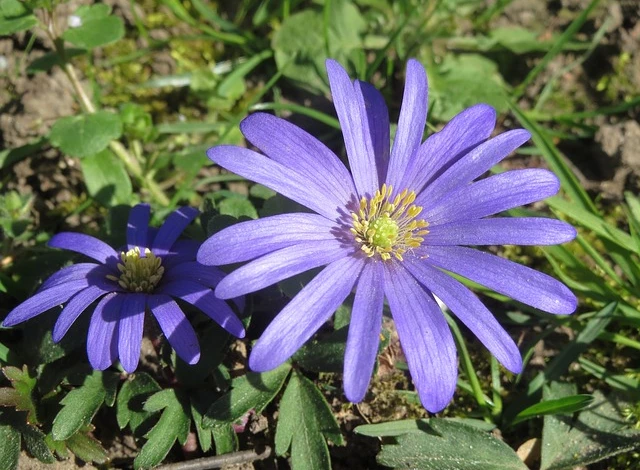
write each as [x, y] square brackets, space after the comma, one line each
[219, 461]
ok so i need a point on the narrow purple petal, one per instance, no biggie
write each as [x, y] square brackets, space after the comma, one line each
[203, 298]
[176, 327]
[274, 175]
[413, 117]
[69, 273]
[364, 331]
[468, 308]
[502, 231]
[130, 330]
[506, 277]
[279, 265]
[298, 150]
[194, 271]
[78, 304]
[306, 312]
[425, 337]
[473, 164]
[102, 337]
[44, 300]
[248, 240]
[348, 102]
[181, 251]
[463, 133]
[137, 226]
[375, 109]
[84, 244]
[493, 195]
[171, 229]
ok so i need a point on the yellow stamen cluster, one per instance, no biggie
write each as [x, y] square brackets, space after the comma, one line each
[387, 225]
[139, 273]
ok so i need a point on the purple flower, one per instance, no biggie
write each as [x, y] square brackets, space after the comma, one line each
[155, 267]
[392, 229]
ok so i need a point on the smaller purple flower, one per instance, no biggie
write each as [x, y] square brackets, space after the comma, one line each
[154, 268]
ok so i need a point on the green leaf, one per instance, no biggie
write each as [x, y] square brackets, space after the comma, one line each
[403, 426]
[518, 40]
[98, 27]
[598, 433]
[448, 445]
[106, 178]
[462, 81]
[33, 439]
[173, 425]
[569, 404]
[20, 396]
[304, 422]
[86, 134]
[324, 355]
[87, 448]
[82, 403]
[10, 448]
[15, 17]
[253, 391]
[129, 405]
[237, 207]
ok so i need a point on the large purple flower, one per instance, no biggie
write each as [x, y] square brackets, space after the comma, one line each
[391, 229]
[155, 267]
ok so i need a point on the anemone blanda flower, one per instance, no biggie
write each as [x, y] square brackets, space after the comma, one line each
[155, 267]
[391, 228]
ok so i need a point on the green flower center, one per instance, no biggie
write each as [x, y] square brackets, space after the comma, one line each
[139, 273]
[386, 226]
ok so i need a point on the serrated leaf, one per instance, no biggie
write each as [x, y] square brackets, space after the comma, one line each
[448, 445]
[82, 403]
[237, 207]
[33, 439]
[20, 395]
[172, 426]
[87, 448]
[403, 426]
[106, 178]
[10, 448]
[200, 402]
[225, 439]
[253, 391]
[324, 355]
[569, 404]
[86, 134]
[304, 422]
[133, 394]
[97, 27]
[598, 432]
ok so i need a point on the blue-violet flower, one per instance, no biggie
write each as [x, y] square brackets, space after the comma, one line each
[155, 267]
[392, 229]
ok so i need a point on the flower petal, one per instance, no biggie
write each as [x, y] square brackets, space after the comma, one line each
[298, 150]
[425, 337]
[44, 300]
[130, 330]
[375, 109]
[176, 327]
[181, 251]
[468, 308]
[413, 117]
[274, 175]
[194, 271]
[137, 226]
[506, 277]
[279, 265]
[502, 231]
[248, 240]
[364, 331]
[78, 304]
[457, 138]
[203, 298]
[69, 273]
[306, 312]
[84, 244]
[172, 228]
[492, 195]
[102, 337]
[473, 164]
[349, 103]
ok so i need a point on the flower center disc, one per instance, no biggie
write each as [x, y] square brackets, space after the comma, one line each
[139, 273]
[387, 225]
